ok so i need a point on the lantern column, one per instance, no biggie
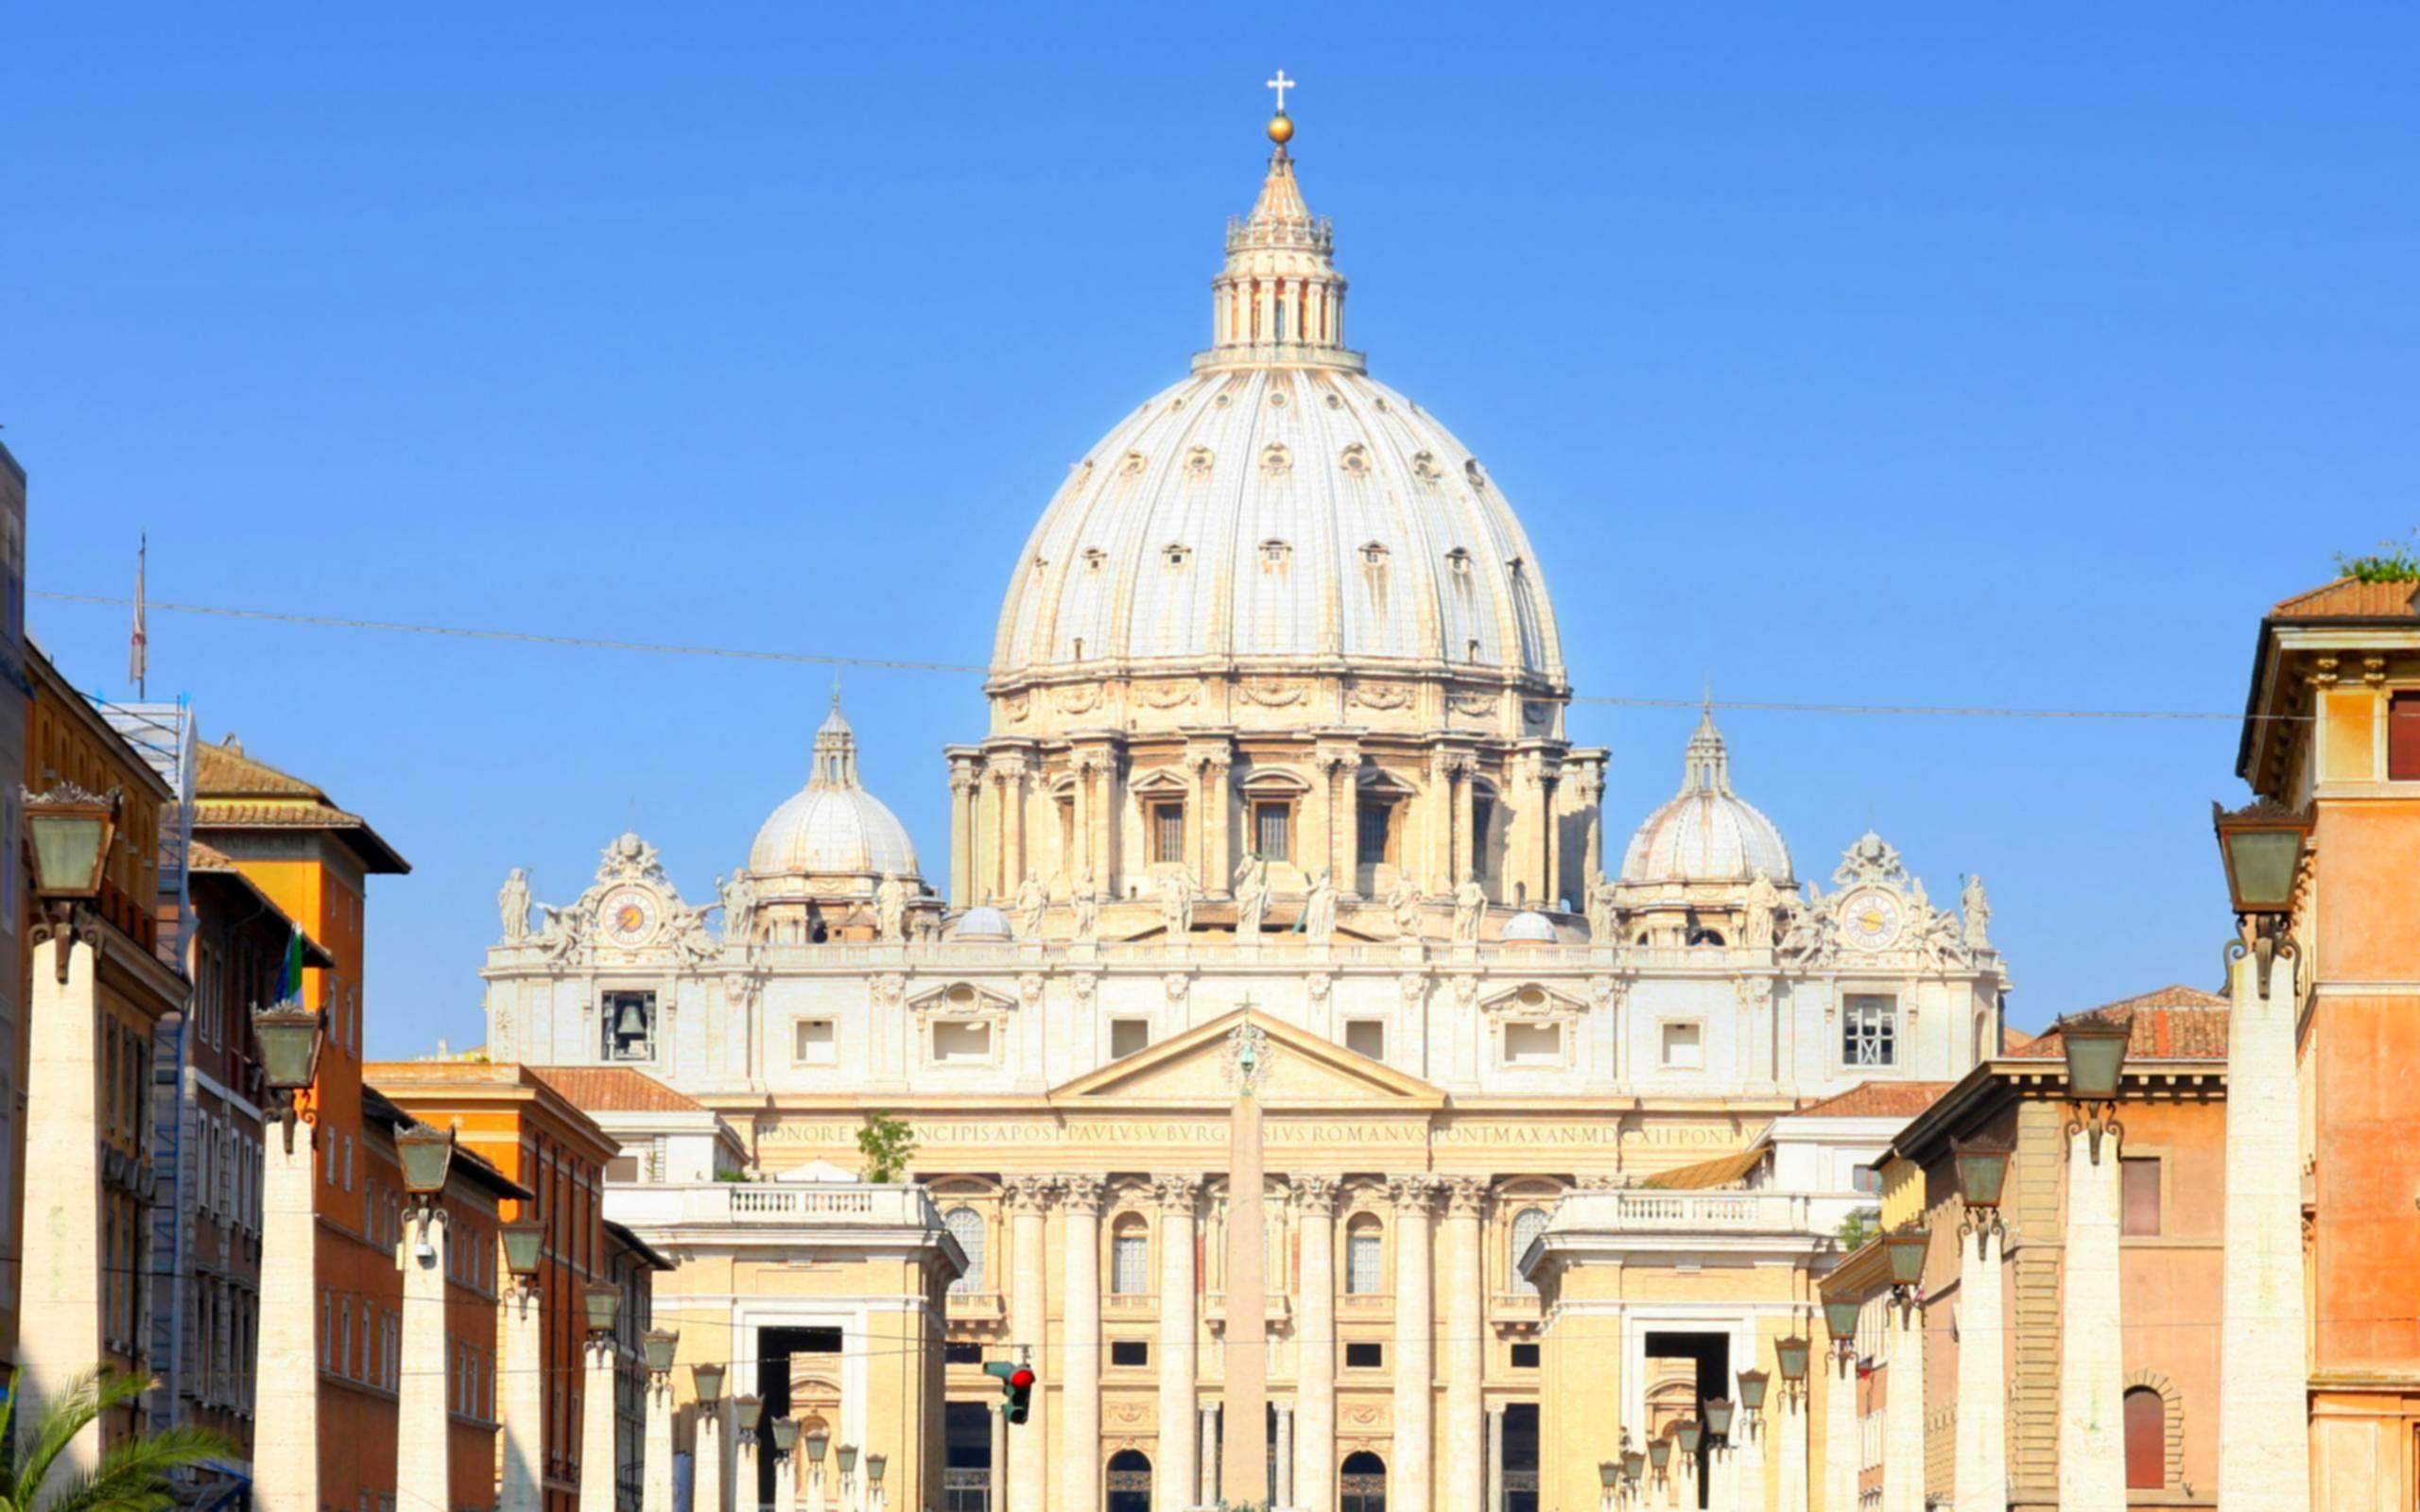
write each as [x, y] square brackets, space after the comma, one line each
[2092, 1445]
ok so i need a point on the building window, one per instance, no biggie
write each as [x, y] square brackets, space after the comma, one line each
[2403, 737]
[1272, 824]
[1483, 838]
[2145, 1440]
[1365, 1356]
[1128, 1035]
[1366, 1037]
[629, 1025]
[2139, 1176]
[1524, 1357]
[1869, 1031]
[815, 1046]
[1130, 1352]
[1167, 835]
[1532, 1044]
[960, 1044]
[1370, 835]
[1866, 1180]
[1683, 1049]
[1364, 1257]
[1526, 1225]
[962, 1351]
[1129, 1251]
[966, 1226]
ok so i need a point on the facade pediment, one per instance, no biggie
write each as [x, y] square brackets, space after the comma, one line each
[1297, 1071]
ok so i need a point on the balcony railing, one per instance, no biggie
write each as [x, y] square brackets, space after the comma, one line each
[847, 1205]
[1279, 1307]
[1647, 1211]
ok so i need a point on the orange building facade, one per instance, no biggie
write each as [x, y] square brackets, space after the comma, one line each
[2332, 727]
[314, 861]
[518, 1122]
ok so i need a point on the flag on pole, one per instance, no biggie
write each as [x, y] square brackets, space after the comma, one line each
[138, 654]
[289, 978]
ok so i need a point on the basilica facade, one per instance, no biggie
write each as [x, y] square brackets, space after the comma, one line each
[1277, 743]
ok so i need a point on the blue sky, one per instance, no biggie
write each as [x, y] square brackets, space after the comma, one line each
[1890, 353]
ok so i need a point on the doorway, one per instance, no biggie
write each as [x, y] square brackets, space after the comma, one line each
[775, 1348]
[1685, 1372]
[1521, 1457]
[966, 1457]
[1362, 1485]
[1130, 1481]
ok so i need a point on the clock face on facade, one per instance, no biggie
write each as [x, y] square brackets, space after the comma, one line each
[1870, 919]
[627, 915]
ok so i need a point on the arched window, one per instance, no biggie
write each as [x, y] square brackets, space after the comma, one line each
[1364, 1256]
[1362, 1482]
[1130, 1481]
[1526, 1225]
[1129, 1246]
[966, 1227]
[2145, 1440]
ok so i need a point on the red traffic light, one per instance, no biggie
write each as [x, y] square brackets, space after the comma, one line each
[1021, 1379]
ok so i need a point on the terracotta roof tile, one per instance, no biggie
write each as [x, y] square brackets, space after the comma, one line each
[1879, 1099]
[2347, 598]
[224, 771]
[614, 1089]
[2172, 1023]
[2012, 1039]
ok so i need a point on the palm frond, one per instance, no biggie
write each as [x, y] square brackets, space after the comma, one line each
[66, 1415]
[133, 1476]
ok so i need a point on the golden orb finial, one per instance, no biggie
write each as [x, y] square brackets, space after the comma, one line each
[1281, 129]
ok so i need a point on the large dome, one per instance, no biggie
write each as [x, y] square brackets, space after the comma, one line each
[833, 826]
[1278, 504]
[1706, 833]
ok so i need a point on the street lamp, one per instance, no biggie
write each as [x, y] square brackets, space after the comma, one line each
[604, 1304]
[848, 1453]
[1840, 1321]
[71, 831]
[1791, 1355]
[2096, 1054]
[784, 1436]
[661, 1346]
[426, 1154]
[817, 1441]
[746, 1413]
[1905, 1249]
[525, 1248]
[2263, 846]
[1659, 1455]
[707, 1379]
[1982, 1175]
[1719, 1413]
[1753, 1386]
[289, 1041]
[1691, 1434]
[875, 1465]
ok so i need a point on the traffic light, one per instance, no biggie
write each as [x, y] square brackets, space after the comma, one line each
[1016, 1389]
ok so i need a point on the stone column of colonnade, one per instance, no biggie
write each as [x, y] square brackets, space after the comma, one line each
[1903, 1408]
[1173, 1474]
[1464, 1480]
[1414, 1198]
[1314, 1483]
[2264, 1385]
[423, 1465]
[1980, 1481]
[1028, 1201]
[2092, 1380]
[1841, 1445]
[1079, 1398]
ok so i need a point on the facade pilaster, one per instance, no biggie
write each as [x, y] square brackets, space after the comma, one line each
[1791, 1421]
[1028, 1213]
[1751, 1468]
[2092, 1384]
[1411, 1466]
[1464, 861]
[285, 1464]
[59, 1296]
[2264, 1383]
[1009, 774]
[1903, 1410]
[743, 1473]
[599, 1455]
[422, 1464]
[1841, 1458]
[1315, 1344]
[1979, 1483]
[521, 1386]
[1283, 1492]
[963, 780]
[655, 1466]
[1215, 814]
[1495, 1458]
[709, 1483]
[1209, 1489]
[1079, 1326]
[1463, 1481]
[1174, 1475]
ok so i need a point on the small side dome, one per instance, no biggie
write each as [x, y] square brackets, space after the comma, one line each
[1529, 927]
[1706, 833]
[833, 826]
[981, 922]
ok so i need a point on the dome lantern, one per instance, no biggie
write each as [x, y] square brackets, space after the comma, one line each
[1280, 298]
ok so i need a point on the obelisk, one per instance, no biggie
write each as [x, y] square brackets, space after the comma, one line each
[1244, 1461]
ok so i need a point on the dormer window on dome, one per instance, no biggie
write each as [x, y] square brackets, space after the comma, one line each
[1176, 555]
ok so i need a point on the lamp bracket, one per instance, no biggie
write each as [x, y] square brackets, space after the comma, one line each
[2096, 1120]
[2263, 939]
[1981, 1224]
[64, 922]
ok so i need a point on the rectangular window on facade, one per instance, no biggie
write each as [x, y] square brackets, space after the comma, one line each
[1366, 1037]
[814, 1046]
[622, 1168]
[1130, 1352]
[1126, 1035]
[962, 1351]
[957, 1045]
[1869, 1030]
[1364, 1258]
[1272, 827]
[2403, 737]
[1365, 1356]
[1683, 1047]
[1524, 1357]
[1168, 834]
[1130, 1271]
[2140, 1178]
[1532, 1044]
[1372, 842]
[1866, 1180]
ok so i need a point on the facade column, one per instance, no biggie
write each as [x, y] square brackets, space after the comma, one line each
[1028, 1211]
[743, 1471]
[1344, 857]
[1750, 1472]
[1314, 1477]
[521, 1386]
[1550, 794]
[994, 1494]
[1172, 1478]
[1196, 817]
[1215, 814]
[1413, 1463]
[707, 1481]
[423, 1466]
[1903, 1409]
[1081, 766]
[655, 1466]
[1079, 1401]
[963, 783]
[2092, 1382]
[1980, 1483]
[1464, 1480]
[2264, 1445]
[1209, 1455]
[1284, 1490]
[1791, 1493]
[784, 1480]
[1592, 793]
[60, 1293]
[286, 1462]
[1495, 1458]
[1012, 826]
[599, 1456]
[1841, 1439]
